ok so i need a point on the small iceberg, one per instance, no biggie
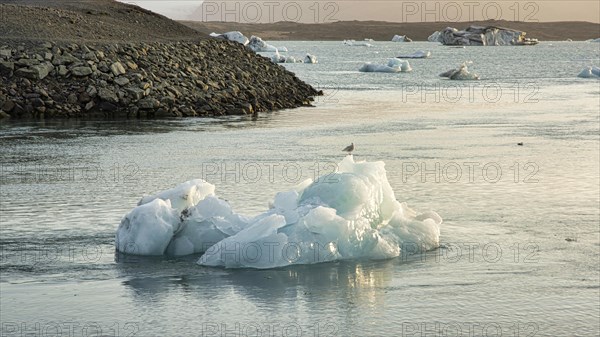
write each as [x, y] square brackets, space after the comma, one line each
[416, 55]
[232, 36]
[258, 45]
[352, 213]
[593, 40]
[357, 43]
[401, 38]
[435, 37]
[278, 58]
[393, 66]
[590, 72]
[310, 59]
[461, 73]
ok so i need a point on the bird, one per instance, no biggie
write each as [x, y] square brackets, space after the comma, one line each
[349, 148]
[520, 143]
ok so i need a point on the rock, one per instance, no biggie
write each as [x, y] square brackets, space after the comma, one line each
[62, 70]
[27, 62]
[91, 90]
[72, 99]
[81, 71]
[37, 102]
[148, 103]
[4, 115]
[37, 72]
[6, 68]
[5, 53]
[65, 58]
[108, 95]
[135, 93]
[122, 81]
[117, 69]
[89, 106]
[48, 56]
[47, 45]
[8, 106]
[132, 65]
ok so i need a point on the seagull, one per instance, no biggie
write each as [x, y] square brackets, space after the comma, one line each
[349, 148]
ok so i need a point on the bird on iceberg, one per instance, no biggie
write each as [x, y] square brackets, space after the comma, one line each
[349, 148]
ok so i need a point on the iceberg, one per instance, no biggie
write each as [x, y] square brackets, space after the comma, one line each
[357, 43]
[232, 36]
[590, 72]
[416, 55]
[393, 66]
[482, 36]
[435, 37]
[278, 58]
[593, 40]
[257, 45]
[461, 73]
[401, 38]
[310, 59]
[184, 220]
[350, 214]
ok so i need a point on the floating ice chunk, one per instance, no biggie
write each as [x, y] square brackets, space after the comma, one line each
[401, 38]
[590, 72]
[435, 37]
[232, 36]
[417, 55]
[184, 195]
[257, 44]
[461, 73]
[278, 58]
[352, 213]
[357, 43]
[199, 221]
[310, 59]
[393, 66]
[593, 40]
[147, 229]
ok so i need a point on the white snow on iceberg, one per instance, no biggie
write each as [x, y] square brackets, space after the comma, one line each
[393, 66]
[350, 214]
[590, 72]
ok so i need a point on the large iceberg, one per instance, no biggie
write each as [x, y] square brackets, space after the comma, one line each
[460, 73]
[401, 38]
[232, 36]
[590, 72]
[350, 214]
[394, 65]
[482, 36]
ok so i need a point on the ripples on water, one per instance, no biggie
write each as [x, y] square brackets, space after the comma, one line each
[533, 231]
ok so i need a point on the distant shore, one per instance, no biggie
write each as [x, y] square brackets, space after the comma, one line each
[384, 31]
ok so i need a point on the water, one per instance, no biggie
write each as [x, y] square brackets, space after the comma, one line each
[520, 236]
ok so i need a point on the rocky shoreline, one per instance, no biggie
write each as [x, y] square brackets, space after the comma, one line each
[142, 80]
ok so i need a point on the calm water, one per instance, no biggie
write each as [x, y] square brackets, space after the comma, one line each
[521, 236]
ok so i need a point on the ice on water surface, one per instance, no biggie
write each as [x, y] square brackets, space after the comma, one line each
[350, 214]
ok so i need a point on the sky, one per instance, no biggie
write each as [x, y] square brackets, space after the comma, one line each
[312, 11]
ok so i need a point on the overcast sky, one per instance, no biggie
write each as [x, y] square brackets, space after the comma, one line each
[310, 11]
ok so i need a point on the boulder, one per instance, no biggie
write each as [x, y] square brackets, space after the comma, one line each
[81, 71]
